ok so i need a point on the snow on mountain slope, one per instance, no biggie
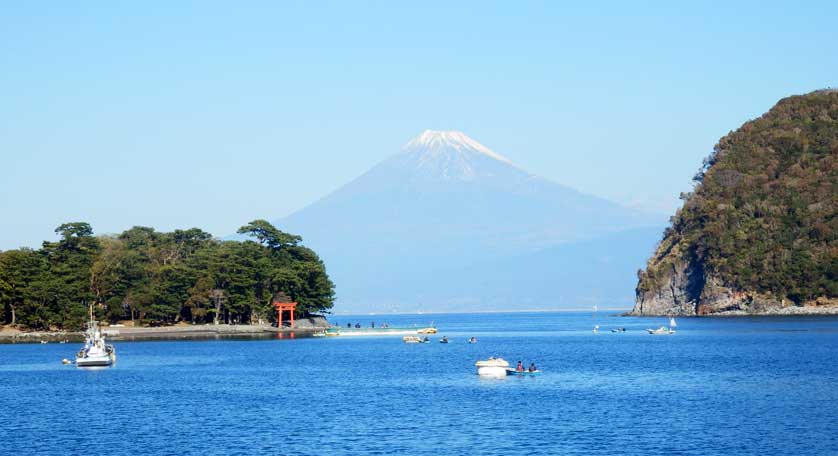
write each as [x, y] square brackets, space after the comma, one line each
[445, 199]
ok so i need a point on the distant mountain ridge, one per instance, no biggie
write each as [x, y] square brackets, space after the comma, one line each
[445, 202]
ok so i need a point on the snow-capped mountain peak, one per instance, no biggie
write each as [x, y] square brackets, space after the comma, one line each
[434, 142]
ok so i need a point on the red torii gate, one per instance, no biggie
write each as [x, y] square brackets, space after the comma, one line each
[282, 303]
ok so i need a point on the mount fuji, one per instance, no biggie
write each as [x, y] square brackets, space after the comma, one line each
[448, 224]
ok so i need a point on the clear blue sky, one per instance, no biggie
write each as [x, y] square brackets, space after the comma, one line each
[210, 114]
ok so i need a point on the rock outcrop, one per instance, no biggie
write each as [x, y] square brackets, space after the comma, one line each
[759, 234]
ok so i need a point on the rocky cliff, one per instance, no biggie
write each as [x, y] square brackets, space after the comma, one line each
[758, 233]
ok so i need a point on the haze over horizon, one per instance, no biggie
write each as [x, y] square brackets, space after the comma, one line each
[447, 223]
[209, 115]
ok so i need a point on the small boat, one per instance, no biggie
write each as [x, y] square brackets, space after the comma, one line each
[511, 371]
[444, 340]
[661, 330]
[429, 330]
[472, 340]
[596, 329]
[412, 339]
[44, 342]
[492, 367]
[618, 330]
[95, 351]
[66, 361]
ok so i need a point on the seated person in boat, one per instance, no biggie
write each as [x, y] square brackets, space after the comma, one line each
[532, 367]
[520, 367]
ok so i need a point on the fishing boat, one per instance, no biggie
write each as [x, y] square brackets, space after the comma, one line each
[96, 352]
[492, 367]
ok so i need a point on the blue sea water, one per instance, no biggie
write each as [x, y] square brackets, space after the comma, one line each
[718, 386]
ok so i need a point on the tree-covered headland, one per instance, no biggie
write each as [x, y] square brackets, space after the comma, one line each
[153, 277]
[760, 230]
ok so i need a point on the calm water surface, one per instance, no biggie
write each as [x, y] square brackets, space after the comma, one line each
[718, 386]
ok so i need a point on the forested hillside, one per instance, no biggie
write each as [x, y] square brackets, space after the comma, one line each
[159, 278]
[759, 230]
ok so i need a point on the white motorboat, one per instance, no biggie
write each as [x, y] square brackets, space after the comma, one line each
[492, 367]
[661, 330]
[95, 351]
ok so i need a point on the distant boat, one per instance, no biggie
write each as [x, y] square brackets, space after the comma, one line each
[593, 315]
[661, 330]
[672, 322]
[472, 340]
[444, 340]
[95, 351]
[415, 340]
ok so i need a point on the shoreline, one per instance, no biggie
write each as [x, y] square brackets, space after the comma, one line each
[163, 332]
[791, 311]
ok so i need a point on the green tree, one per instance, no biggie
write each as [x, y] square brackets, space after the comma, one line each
[269, 235]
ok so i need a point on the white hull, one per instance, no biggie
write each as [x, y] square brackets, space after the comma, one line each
[491, 371]
[492, 367]
[96, 352]
[92, 361]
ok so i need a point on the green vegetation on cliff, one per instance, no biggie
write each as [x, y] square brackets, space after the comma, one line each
[762, 216]
[154, 277]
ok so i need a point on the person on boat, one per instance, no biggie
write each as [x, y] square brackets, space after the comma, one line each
[532, 367]
[349, 325]
[373, 324]
[357, 325]
[520, 367]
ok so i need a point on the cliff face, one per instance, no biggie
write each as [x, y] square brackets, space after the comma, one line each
[758, 234]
